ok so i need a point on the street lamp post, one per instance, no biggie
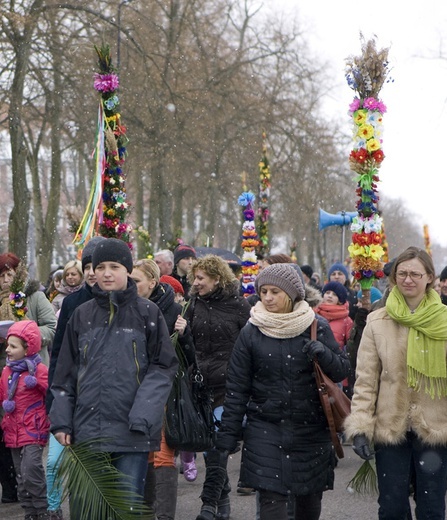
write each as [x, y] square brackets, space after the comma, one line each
[118, 22]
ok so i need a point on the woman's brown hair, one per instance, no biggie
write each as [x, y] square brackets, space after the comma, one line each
[409, 254]
[215, 267]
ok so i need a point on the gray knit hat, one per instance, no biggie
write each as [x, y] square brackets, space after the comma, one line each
[87, 252]
[113, 250]
[283, 276]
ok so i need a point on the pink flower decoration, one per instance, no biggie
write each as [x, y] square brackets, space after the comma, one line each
[355, 105]
[381, 107]
[106, 82]
[370, 103]
[122, 228]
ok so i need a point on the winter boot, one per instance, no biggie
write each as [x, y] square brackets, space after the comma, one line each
[223, 508]
[189, 465]
[149, 488]
[215, 480]
[223, 505]
[166, 483]
[207, 513]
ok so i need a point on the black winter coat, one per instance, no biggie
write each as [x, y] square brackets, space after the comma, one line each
[114, 373]
[287, 445]
[216, 321]
[163, 296]
[69, 304]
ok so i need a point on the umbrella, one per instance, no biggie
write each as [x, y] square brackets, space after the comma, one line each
[4, 326]
[230, 257]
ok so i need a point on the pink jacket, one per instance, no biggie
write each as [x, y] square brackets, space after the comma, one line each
[339, 320]
[28, 423]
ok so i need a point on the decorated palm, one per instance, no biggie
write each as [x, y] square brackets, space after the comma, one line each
[107, 207]
[366, 75]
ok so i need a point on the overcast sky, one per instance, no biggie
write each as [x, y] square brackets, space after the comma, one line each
[415, 137]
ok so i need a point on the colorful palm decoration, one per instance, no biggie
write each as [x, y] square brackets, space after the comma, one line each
[427, 242]
[249, 244]
[263, 200]
[107, 207]
[366, 75]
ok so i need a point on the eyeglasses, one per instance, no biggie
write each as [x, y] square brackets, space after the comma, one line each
[401, 275]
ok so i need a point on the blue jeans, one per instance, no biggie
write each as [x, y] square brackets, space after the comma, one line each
[134, 465]
[54, 489]
[394, 465]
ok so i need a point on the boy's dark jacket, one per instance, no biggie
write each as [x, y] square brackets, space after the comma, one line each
[114, 372]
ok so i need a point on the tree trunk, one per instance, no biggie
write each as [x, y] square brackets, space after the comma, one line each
[19, 216]
[45, 242]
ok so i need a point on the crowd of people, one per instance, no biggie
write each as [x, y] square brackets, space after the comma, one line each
[89, 358]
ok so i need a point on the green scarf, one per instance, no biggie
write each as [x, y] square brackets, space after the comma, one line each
[426, 352]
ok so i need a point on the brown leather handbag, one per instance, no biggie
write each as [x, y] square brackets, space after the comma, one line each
[336, 405]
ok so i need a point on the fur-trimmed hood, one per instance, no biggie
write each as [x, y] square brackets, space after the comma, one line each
[313, 296]
[32, 286]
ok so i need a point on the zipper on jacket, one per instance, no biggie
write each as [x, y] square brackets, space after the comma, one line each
[81, 375]
[134, 346]
[112, 310]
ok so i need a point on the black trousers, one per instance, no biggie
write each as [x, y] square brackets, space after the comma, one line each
[274, 505]
[7, 472]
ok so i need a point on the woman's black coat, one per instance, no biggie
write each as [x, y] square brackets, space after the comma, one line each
[287, 445]
[216, 321]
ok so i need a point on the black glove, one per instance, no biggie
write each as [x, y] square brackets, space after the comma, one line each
[313, 349]
[361, 447]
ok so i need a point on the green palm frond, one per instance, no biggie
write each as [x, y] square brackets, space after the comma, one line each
[95, 487]
[365, 480]
[104, 59]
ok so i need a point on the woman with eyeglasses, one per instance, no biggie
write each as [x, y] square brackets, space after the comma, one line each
[399, 407]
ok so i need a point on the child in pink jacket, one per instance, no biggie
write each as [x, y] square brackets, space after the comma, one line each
[25, 424]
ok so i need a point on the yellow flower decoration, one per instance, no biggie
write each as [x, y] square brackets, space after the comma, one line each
[365, 131]
[360, 117]
[356, 250]
[372, 145]
[376, 252]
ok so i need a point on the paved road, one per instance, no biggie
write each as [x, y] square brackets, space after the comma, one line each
[337, 505]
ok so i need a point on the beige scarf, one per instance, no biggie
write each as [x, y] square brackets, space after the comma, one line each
[280, 326]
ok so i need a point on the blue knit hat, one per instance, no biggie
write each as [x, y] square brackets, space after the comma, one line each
[338, 289]
[339, 267]
[374, 294]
